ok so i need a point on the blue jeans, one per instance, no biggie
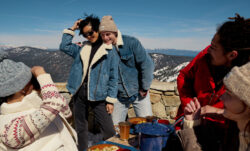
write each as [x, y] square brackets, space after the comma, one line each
[142, 107]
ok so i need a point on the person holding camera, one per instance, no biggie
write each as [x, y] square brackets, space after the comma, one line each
[32, 118]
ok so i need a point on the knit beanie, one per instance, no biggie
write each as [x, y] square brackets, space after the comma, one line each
[14, 76]
[107, 24]
[238, 82]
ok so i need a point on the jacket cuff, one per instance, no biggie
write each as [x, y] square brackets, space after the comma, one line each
[44, 79]
[111, 100]
[67, 31]
[190, 124]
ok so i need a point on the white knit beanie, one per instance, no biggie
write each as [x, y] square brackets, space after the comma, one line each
[107, 24]
[238, 82]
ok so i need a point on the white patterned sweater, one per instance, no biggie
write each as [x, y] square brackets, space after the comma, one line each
[34, 124]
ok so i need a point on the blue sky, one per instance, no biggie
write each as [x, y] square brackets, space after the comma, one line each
[179, 24]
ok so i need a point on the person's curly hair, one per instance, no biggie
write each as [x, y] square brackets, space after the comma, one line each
[235, 35]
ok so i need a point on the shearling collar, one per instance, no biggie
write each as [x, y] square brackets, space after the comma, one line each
[28, 102]
[85, 53]
[119, 39]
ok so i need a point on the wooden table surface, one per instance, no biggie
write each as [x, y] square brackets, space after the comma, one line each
[132, 141]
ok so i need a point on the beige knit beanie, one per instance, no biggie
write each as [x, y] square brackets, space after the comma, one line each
[107, 24]
[238, 82]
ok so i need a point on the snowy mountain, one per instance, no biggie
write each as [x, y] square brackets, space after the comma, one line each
[5, 47]
[58, 64]
[172, 74]
[55, 62]
[167, 67]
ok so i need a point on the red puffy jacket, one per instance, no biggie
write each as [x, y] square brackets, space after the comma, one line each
[195, 80]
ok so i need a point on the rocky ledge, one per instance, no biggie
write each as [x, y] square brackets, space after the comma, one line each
[164, 98]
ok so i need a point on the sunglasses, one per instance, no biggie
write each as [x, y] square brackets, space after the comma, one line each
[90, 33]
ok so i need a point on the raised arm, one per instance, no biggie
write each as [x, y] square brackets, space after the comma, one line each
[187, 135]
[66, 44]
[23, 130]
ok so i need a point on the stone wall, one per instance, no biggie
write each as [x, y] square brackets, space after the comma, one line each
[164, 99]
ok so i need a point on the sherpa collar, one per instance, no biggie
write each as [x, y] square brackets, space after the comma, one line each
[119, 39]
[85, 53]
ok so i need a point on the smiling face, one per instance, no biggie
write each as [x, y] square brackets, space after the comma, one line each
[90, 34]
[109, 37]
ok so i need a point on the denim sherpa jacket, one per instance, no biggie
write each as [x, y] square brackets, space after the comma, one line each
[103, 70]
[136, 67]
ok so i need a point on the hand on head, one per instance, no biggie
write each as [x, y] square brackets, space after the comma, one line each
[76, 24]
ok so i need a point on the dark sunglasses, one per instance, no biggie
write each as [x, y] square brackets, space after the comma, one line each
[90, 33]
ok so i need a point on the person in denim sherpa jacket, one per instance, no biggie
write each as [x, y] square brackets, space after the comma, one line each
[93, 79]
[135, 72]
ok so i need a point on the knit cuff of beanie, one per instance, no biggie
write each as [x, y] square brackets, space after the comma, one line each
[67, 31]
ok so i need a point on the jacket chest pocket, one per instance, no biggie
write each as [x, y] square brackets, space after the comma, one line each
[128, 60]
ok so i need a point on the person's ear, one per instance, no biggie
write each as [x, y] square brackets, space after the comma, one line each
[232, 55]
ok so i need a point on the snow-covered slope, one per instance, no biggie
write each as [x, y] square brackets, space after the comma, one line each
[167, 67]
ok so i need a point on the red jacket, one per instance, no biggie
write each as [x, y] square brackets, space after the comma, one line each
[195, 80]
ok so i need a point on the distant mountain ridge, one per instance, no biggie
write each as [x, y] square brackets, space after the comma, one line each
[5, 47]
[58, 64]
[174, 52]
[55, 62]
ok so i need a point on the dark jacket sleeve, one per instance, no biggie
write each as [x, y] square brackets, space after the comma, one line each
[145, 64]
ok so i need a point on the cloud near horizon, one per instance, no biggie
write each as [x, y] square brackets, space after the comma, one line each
[190, 43]
[48, 41]
[53, 41]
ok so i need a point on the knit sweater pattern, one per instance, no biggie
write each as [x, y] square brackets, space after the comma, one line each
[22, 123]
